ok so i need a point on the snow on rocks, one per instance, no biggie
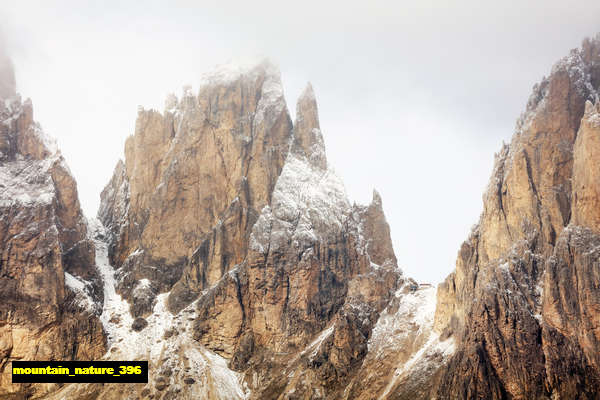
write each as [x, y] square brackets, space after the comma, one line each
[166, 342]
[26, 182]
[417, 364]
[83, 297]
[592, 113]
[308, 205]
[271, 100]
[579, 72]
[415, 312]
[407, 321]
[315, 345]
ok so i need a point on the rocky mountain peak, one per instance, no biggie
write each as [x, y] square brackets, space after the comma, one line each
[49, 288]
[573, 79]
[225, 209]
[20, 135]
[524, 280]
[308, 139]
[376, 200]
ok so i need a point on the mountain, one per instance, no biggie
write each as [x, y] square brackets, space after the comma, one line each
[49, 287]
[227, 254]
[227, 213]
[524, 300]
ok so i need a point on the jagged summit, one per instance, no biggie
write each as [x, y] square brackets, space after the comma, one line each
[225, 208]
[49, 288]
[307, 93]
[531, 263]
[20, 135]
[376, 198]
[308, 139]
[581, 66]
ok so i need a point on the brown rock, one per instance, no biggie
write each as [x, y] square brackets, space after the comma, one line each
[308, 140]
[522, 301]
[49, 288]
[585, 208]
[222, 200]
[189, 175]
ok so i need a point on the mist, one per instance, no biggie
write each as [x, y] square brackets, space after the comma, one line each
[414, 98]
[7, 73]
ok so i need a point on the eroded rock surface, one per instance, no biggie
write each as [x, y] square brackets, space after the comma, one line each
[49, 289]
[232, 260]
[226, 206]
[523, 302]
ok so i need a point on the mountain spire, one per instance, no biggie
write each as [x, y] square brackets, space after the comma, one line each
[308, 140]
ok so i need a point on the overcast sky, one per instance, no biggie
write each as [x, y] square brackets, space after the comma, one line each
[414, 97]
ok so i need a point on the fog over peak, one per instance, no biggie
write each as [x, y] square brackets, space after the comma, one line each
[414, 97]
[7, 73]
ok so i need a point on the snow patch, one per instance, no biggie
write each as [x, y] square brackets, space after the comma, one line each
[410, 313]
[166, 342]
[26, 182]
[315, 345]
[308, 205]
[82, 297]
[415, 313]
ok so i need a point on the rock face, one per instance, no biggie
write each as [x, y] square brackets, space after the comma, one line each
[228, 211]
[49, 289]
[232, 260]
[523, 303]
[194, 180]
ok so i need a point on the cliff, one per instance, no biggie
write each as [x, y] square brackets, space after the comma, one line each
[228, 211]
[523, 301]
[228, 255]
[49, 289]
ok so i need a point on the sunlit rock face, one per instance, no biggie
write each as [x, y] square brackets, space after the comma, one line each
[49, 290]
[194, 181]
[523, 303]
[229, 256]
[229, 209]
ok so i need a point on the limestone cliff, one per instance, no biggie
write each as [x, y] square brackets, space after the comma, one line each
[49, 289]
[523, 301]
[232, 260]
[226, 211]
[194, 180]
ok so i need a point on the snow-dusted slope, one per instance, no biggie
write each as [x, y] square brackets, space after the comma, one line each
[309, 205]
[405, 329]
[177, 363]
[166, 342]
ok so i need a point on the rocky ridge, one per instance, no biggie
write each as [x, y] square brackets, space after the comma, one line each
[48, 284]
[228, 211]
[523, 301]
[232, 260]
